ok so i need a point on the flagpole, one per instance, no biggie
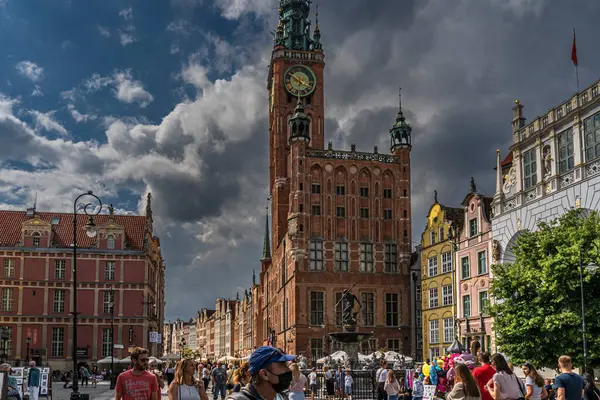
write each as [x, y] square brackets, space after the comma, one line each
[575, 59]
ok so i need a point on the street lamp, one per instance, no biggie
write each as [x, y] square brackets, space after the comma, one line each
[591, 268]
[90, 230]
[28, 342]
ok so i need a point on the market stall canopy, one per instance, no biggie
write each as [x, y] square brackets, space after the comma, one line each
[108, 360]
[154, 359]
[126, 360]
[337, 356]
[172, 356]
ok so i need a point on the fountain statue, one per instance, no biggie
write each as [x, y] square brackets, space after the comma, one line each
[349, 338]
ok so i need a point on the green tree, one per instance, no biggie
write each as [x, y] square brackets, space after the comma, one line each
[537, 312]
[186, 352]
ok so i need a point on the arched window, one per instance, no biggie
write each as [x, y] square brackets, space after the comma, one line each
[36, 239]
[110, 242]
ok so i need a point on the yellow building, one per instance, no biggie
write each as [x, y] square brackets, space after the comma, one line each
[438, 293]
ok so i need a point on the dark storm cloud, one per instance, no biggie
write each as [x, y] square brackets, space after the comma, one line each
[461, 65]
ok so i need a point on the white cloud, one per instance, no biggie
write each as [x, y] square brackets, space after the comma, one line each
[130, 91]
[195, 74]
[30, 70]
[174, 48]
[181, 27]
[103, 31]
[37, 92]
[47, 122]
[126, 38]
[79, 117]
[126, 13]
[234, 9]
[6, 105]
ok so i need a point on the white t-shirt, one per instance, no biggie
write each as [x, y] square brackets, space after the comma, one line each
[312, 377]
[537, 391]
[205, 373]
[382, 374]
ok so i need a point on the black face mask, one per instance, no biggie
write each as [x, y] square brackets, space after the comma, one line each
[284, 382]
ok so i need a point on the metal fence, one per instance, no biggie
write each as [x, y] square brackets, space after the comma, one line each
[364, 386]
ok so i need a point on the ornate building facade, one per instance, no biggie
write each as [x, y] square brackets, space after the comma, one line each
[473, 259]
[437, 279]
[339, 218]
[121, 269]
[553, 166]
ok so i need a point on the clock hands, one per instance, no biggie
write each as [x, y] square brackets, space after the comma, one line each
[300, 81]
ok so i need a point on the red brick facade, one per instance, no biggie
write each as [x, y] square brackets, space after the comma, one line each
[36, 285]
[327, 207]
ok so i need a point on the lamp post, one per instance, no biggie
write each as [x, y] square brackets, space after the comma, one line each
[27, 342]
[592, 268]
[90, 230]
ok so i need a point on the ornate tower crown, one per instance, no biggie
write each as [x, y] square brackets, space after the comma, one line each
[299, 123]
[401, 131]
[293, 29]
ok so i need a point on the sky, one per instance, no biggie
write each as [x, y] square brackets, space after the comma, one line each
[169, 97]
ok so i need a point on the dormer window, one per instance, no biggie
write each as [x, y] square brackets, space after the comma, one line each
[55, 221]
[110, 242]
[36, 239]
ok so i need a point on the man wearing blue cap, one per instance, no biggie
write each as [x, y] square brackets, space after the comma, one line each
[270, 375]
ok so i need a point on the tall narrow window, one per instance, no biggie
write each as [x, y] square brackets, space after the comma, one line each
[433, 266]
[341, 256]
[58, 342]
[109, 270]
[434, 331]
[364, 191]
[316, 188]
[441, 233]
[391, 258]
[448, 330]
[317, 308]
[482, 263]
[7, 299]
[60, 269]
[387, 214]
[434, 300]
[59, 301]
[393, 345]
[108, 301]
[366, 257]
[368, 309]
[530, 168]
[392, 309]
[340, 190]
[447, 295]
[465, 268]
[446, 262]
[387, 193]
[364, 212]
[432, 236]
[106, 342]
[340, 212]
[566, 160]
[9, 268]
[36, 239]
[316, 255]
[483, 302]
[592, 136]
[466, 306]
[473, 229]
[110, 242]
[8, 339]
[316, 209]
[316, 349]
[338, 309]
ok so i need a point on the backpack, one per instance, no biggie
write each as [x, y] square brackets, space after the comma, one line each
[220, 376]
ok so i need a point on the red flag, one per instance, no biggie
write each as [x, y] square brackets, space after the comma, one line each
[574, 50]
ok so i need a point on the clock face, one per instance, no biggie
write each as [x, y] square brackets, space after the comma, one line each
[300, 80]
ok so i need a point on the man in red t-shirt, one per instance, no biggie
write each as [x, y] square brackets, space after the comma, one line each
[137, 383]
[483, 375]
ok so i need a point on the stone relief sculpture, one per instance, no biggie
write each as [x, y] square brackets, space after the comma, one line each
[547, 156]
[496, 251]
[510, 180]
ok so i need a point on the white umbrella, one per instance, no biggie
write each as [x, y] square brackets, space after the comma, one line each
[108, 360]
[227, 359]
[126, 360]
[156, 360]
[337, 356]
[171, 356]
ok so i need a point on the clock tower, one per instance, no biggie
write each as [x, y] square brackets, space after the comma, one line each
[295, 76]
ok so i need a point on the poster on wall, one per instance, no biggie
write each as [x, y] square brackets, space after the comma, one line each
[429, 392]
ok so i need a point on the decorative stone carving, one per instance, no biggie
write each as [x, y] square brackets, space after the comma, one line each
[567, 179]
[510, 204]
[328, 167]
[547, 157]
[352, 155]
[496, 250]
[593, 168]
[510, 179]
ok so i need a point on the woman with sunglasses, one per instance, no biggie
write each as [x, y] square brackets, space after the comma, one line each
[185, 386]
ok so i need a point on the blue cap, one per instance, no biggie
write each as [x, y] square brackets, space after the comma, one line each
[264, 356]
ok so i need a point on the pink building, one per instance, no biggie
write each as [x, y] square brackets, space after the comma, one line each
[473, 260]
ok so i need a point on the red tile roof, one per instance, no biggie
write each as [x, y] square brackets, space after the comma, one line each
[10, 228]
[508, 160]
